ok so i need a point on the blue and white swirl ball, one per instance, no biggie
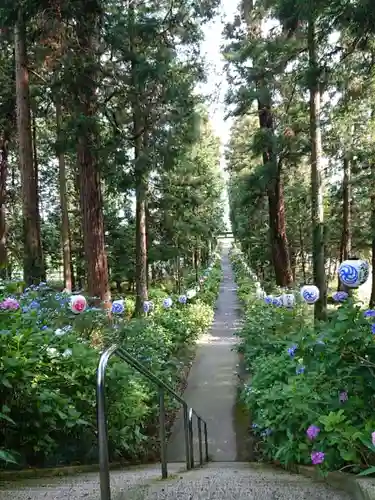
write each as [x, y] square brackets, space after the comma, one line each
[118, 306]
[148, 306]
[182, 299]
[190, 294]
[310, 294]
[353, 273]
[167, 303]
[277, 301]
[288, 300]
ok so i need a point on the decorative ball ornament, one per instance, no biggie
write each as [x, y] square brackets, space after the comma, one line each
[78, 304]
[310, 293]
[167, 303]
[277, 301]
[148, 306]
[288, 300]
[260, 294]
[353, 273]
[182, 299]
[118, 306]
[268, 299]
[190, 294]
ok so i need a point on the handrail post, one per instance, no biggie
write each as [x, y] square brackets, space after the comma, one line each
[163, 441]
[186, 433]
[105, 487]
[206, 440]
[191, 440]
[200, 441]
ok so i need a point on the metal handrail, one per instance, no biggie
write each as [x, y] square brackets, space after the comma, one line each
[188, 413]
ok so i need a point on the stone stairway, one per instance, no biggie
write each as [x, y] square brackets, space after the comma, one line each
[211, 391]
[216, 481]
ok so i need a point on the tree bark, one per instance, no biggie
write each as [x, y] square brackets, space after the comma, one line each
[87, 157]
[34, 270]
[65, 229]
[275, 192]
[346, 240]
[278, 237]
[4, 144]
[372, 297]
[141, 180]
[317, 207]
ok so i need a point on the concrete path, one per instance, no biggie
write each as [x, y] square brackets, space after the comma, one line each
[212, 382]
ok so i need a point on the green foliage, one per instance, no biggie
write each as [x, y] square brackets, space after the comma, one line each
[48, 367]
[303, 375]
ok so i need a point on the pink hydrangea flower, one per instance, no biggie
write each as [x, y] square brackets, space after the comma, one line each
[10, 303]
[317, 457]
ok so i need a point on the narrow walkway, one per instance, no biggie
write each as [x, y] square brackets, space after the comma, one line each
[212, 382]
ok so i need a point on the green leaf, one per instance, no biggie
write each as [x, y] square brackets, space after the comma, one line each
[367, 472]
[7, 456]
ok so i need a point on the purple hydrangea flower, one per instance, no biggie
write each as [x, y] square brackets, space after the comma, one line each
[312, 432]
[317, 457]
[10, 304]
[343, 396]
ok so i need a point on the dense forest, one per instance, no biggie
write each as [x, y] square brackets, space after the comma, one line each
[301, 161]
[106, 147]
[110, 189]
[301, 152]
[111, 211]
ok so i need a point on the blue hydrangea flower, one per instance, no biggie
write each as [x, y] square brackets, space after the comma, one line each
[167, 302]
[292, 350]
[300, 370]
[340, 296]
[370, 313]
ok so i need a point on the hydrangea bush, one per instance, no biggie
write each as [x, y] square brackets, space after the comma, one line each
[48, 362]
[312, 389]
